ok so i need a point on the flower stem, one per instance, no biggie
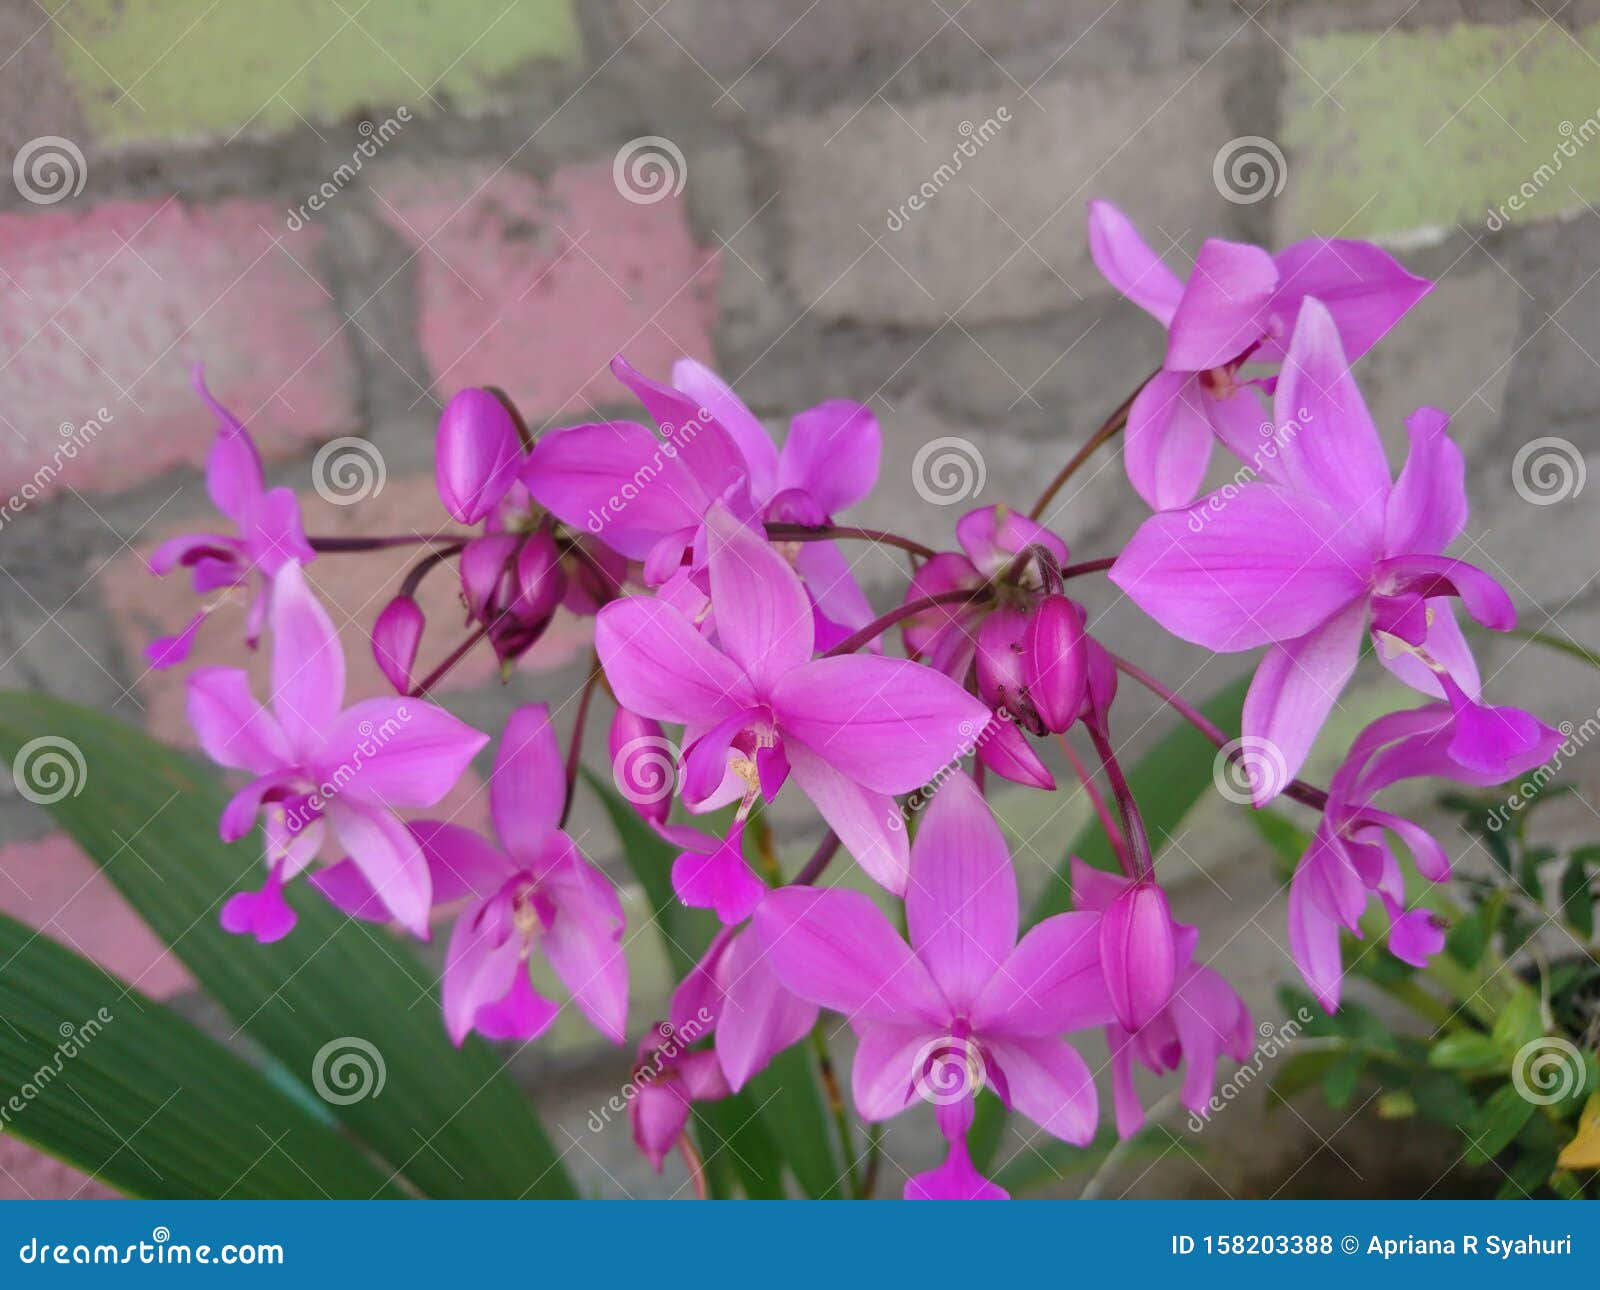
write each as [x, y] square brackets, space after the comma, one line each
[1140, 865]
[841, 1118]
[823, 533]
[1109, 427]
[350, 545]
[826, 849]
[575, 746]
[1087, 566]
[455, 656]
[878, 626]
[1307, 794]
[1119, 844]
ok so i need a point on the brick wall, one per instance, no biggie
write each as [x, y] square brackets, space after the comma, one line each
[348, 212]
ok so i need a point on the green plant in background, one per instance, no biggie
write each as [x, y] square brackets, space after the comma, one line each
[1500, 1044]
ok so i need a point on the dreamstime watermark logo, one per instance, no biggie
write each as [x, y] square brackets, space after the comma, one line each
[1275, 1039]
[48, 169]
[649, 169]
[348, 1069]
[674, 439]
[1242, 766]
[49, 769]
[373, 139]
[948, 1070]
[348, 470]
[73, 440]
[973, 138]
[948, 470]
[1573, 739]
[1274, 439]
[1547, 1070]
[645, 770]
[1548, 470]
[373, 737]
[1248, 169]
[671, 1043]
[972, 740]
[74, 1039]
[1573, 138]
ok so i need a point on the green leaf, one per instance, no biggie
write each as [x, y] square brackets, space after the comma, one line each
[1518, 1024]
[1577, 901]
[450, 1121]
[1464, 1050]
[135, 1096]
[1497, 1123]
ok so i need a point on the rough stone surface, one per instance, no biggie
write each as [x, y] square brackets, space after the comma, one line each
[191, 68]
[1001, 233]
[109, 308]
[1491, 125]
[571, 270]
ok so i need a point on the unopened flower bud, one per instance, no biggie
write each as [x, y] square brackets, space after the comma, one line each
[395, 637]
[1056, 662]
[477, 453]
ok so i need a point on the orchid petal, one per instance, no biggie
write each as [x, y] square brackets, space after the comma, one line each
[1129, 265]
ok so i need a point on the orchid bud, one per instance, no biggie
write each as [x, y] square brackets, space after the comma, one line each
[1137, 953]
[477, 454]
[642, 763]
[541, 581]
[485, 581]
[395, 637]
[1101, 688]
[1056, 662]
[1005, 750]
[999, 666]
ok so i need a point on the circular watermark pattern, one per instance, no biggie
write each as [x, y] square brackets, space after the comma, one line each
[348, 1069]
[48, 169]
[161, 1235]
[649, 169]
[348, 470]
[1547, 1070]
[1248, 169]
[948, 470]
[1248, 766]
[1548, 470]
[947, 1070]
[645, 770]
[48, 769]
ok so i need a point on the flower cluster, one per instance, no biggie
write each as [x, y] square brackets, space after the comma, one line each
[724, 607]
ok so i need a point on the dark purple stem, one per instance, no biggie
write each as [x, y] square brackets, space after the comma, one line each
[825, 532]
[1142, 864]
[826, 850]
[350, 545]
[878, 626]
[575, 747]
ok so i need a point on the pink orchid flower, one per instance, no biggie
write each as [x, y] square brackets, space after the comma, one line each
[535, 891]
[1201, 1016]
[1239, 306]
[853, 730]
[965, 1004]
[477, 454]
[668, 1079]
[318, 764]
[1300, 561]
[620, 483]
[1350, 857]
[269, 535]
[733, 986]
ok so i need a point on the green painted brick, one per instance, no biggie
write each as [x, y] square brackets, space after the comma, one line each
[190, 68]
[1459, 125]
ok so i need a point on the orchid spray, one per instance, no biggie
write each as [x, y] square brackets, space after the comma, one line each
[741, 663]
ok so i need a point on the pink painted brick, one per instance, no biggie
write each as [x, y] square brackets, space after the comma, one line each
[535, 287]
[28, 1174]
[55, 889]
[108, 308]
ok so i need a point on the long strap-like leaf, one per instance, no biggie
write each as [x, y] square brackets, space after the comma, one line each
[334, 995]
